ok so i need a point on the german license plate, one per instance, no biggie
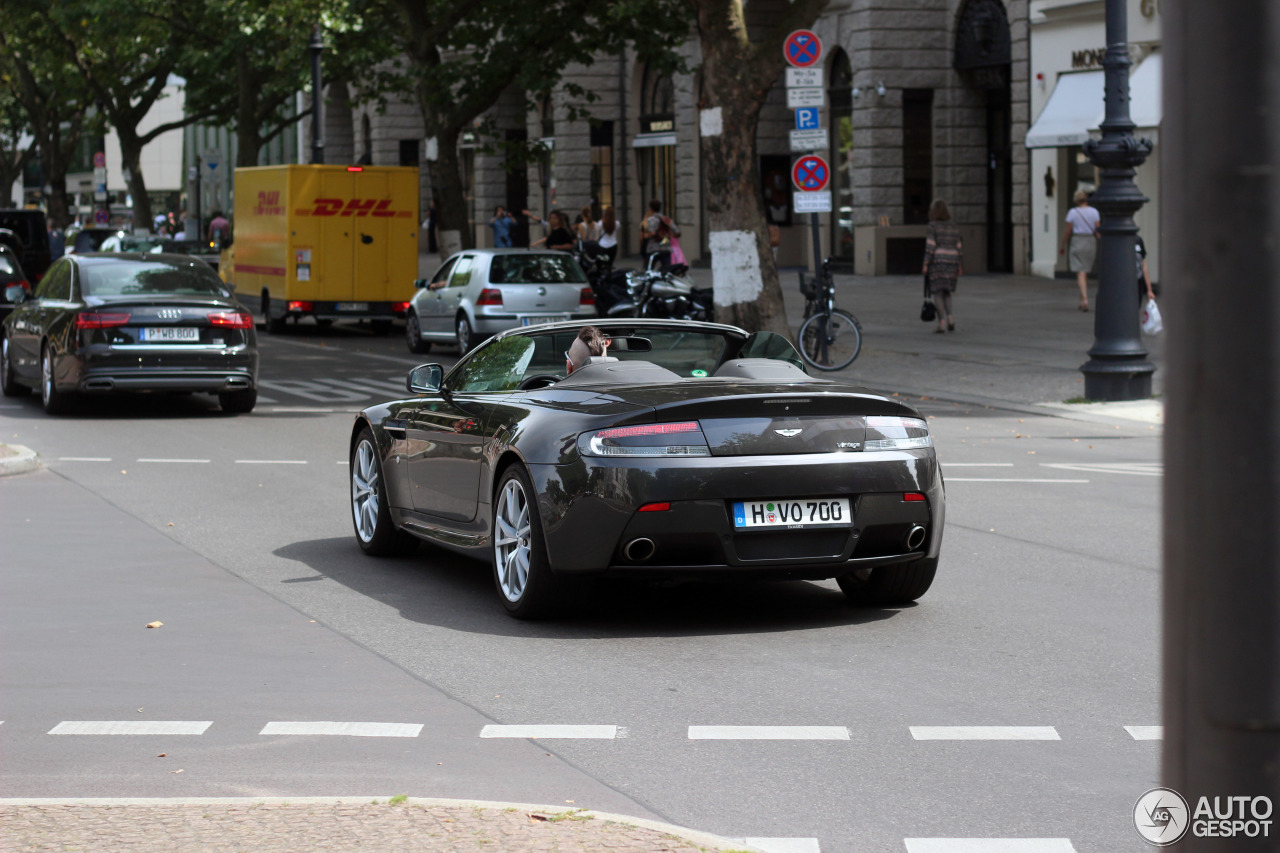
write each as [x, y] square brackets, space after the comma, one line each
[537, 321]
[792, 512]
[171, 334]
[351, 306]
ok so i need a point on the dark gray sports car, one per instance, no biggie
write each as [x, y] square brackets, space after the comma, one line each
[695, 449]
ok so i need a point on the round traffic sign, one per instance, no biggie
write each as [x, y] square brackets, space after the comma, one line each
[802, 49]
[810, 173]
[99, 160]
[101, 217]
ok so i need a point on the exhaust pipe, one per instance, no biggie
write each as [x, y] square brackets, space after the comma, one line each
[915, 537]
[639, 550]
[99, 385]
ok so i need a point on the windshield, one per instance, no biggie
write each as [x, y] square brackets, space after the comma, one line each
[535, 269]
[684, 352]
[121, 278]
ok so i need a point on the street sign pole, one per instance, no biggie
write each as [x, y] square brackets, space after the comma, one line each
[805, 94]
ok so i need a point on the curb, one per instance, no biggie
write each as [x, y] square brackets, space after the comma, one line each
[20, 461]
[696, 837]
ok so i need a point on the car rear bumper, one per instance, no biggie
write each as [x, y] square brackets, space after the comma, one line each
[142, 368]
[212, 382]
[589, 529]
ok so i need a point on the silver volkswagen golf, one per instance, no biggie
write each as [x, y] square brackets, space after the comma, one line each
[480, 292]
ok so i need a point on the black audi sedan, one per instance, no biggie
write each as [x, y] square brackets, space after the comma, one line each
[100, 323]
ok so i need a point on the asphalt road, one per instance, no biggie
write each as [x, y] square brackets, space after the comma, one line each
[1042, 628]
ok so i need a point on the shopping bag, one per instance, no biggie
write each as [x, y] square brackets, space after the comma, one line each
[1151, 322]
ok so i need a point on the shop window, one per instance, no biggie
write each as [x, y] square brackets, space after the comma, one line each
[917, 155]
[601, 167]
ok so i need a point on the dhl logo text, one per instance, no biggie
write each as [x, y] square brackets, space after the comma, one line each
[353, 207]
[269, 204]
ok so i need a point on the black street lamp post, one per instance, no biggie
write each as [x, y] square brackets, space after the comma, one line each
[1117, 368]
[317, 97]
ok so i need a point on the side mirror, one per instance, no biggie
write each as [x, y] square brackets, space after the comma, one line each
[420, 283]
[15, 293]
[425, 379]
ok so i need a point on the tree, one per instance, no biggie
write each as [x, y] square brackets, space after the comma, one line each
[53, 97]
[126, 51]
[464, 54]
[737, 75]
[14, 157]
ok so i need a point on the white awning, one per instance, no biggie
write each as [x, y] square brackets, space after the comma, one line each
[1144, 93]
[652, 140]
[1074, 108]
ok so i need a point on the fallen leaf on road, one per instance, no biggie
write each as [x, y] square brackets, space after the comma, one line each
[123, 471]
[161, 755]
[568, 801]
[175, 771]
[155, 624]
[171, 524]
[536, 818]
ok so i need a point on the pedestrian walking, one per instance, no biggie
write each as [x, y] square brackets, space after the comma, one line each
[430, 224]
[502, 223]
[943, 262]
[57, 240]
[608, 228]
[219, 228]
[588, 228]
[1145, 290]
[656, 232]
[1081, 234]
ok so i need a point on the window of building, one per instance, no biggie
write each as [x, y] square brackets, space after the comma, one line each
[655, 144]
[409, 152]
[917, 155]
[547, 162]
[601, 167]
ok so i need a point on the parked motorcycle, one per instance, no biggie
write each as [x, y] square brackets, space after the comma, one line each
[608, 284]
[660, 293]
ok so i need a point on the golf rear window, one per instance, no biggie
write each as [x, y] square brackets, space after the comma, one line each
[124, 278]
[535, 269]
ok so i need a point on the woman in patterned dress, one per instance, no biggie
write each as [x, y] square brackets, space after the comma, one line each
[943, 262]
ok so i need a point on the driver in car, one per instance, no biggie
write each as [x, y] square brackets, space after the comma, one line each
[590, 342]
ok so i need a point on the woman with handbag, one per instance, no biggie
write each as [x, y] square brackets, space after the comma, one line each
[943, 262]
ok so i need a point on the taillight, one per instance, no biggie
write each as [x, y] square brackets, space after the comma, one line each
[660, 506]
[912, 496]
[300, 306]
[399, 307]
[490, 296]
[586, 297]
[232, 319]
[100, 320]
[674, 439]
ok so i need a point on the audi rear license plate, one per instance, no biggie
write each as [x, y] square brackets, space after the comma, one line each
[792, 513]
[171, 334]
[351, 306]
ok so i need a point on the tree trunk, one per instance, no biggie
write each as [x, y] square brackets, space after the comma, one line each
[448, 193]
[131, 157]
[248, 132]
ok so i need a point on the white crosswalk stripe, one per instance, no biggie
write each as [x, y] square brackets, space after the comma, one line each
[131, 727]
[563, 732]
[783, 845]
[989, 845]
[338, 390]
[343, 729]
[1137, 469]
[768, 733]
[984, 733]
[1145, 732]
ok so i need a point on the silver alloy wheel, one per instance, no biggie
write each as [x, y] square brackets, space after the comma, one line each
[464, 335]
[46, 376]
[364, 491]
[411, 330]
[512, 551]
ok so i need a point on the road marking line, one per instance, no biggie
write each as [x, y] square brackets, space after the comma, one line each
[978, 465]
[552, 731]
[984, 733]
[348, 729]
[192, 461]
[311, 410]
[783, 845]
[989, 845]
[1145, 732]
[1138, 469]
[131, 727]
[84, 458]
[1007, 480]
[271, 462]
[768, 733]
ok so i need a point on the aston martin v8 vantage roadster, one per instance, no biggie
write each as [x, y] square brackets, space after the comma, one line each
[692, 449]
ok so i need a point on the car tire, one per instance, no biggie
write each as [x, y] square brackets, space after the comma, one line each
[9, 383]
[238, 402]
[413, 335]
[55, 402]
[522, 572]
[376, 533]
[466, 338]
[890, 584]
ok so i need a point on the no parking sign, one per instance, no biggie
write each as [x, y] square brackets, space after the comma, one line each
[810, 173]
[802, 49]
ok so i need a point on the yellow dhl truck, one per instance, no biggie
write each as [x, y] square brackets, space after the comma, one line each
[324, 241]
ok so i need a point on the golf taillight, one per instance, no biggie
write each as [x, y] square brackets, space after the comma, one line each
[586, 297]
[490, 296]
[232, 319]
[399, 307]
[300, 306]
[100, 320]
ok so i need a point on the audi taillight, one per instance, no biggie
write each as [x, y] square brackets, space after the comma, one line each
[100, 320]
[586, 297]
[300, 306]
[490, 296]
[232, 319]
[673, 439]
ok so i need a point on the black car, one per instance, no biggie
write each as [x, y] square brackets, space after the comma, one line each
[693, 449]
[130, 322]
[31, 236]
[11, 276]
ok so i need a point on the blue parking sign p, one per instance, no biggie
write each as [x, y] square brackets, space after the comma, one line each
[807, 118]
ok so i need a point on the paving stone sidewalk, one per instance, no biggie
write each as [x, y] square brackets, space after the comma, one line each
[277, 826]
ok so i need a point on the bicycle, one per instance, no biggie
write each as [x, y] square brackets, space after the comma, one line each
[830, 337]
